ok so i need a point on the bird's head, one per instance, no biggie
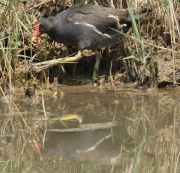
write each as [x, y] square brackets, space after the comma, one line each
[40, 27]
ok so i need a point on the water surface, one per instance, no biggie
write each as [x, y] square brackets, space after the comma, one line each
[91, 130]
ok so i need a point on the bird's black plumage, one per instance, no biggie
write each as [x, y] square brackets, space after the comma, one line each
[84, 27]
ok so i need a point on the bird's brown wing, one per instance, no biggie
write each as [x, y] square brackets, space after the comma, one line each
[97, 16]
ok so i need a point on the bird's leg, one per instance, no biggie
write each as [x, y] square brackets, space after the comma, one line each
[46, 64]
[96, 66]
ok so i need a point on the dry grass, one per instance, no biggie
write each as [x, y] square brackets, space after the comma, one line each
[159, 32]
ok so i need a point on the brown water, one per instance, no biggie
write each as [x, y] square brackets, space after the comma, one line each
[91, 130]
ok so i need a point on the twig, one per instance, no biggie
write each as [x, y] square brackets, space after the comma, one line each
[41, 3]
[86, 127]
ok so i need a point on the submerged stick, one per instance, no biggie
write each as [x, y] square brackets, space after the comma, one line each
[86, 127]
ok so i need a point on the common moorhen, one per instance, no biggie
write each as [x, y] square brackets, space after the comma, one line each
[84, 27]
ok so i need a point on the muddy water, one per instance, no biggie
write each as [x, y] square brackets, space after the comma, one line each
[91, 130]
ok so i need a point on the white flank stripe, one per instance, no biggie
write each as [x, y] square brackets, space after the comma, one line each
[93, 27]
[95, 146]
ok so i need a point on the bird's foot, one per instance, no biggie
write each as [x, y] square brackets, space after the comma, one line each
[37, 67]
[100, 81]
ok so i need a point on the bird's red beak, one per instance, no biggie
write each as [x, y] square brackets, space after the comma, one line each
[36, 32]
[37, 145]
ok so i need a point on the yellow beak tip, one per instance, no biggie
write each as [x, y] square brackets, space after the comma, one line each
[34, 38]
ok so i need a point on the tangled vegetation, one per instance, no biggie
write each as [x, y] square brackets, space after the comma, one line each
[148, 56]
